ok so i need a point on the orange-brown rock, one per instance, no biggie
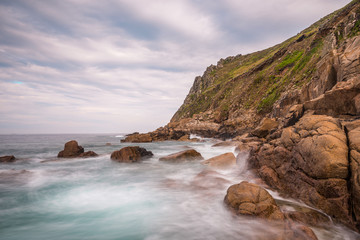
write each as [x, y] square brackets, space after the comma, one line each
[265, 127]
[225, 160]
[309, 162]
[138, 138]
[7, 159]
[71, 150]
[187, 155]
[250, 199]
[131, 154]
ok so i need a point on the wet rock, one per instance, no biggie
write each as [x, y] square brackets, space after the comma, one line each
[250, 199]
[131, 154]
[222, 161]
[108, 144]
[71, 150]
[187, 155]
[88, 154]
[7, 158]
[265, 127]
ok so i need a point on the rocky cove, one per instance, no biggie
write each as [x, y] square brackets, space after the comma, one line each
[294, 108]
[276, 156]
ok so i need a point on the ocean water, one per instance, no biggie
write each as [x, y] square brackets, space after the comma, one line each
[42, 197]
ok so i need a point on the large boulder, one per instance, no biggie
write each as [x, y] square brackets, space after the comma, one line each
[131, 154]
[252, 200]
[7, 159]
[225, 160]
[187, 155]
[71, 150]
[309, 162]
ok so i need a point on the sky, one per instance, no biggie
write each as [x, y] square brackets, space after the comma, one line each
[119, 66]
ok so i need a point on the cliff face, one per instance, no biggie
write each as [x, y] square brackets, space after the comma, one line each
[239, 91]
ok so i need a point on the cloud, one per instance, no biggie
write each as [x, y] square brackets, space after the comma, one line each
[123, 66]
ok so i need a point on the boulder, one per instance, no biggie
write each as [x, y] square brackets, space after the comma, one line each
[131, 154]
[7, 158]
[265, 127]
[250, 199]
[187, 155]
[225, 160]
[71, 150]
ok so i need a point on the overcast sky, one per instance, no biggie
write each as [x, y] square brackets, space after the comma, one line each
[86, 66]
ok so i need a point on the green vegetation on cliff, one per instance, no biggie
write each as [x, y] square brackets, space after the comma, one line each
[254, 82]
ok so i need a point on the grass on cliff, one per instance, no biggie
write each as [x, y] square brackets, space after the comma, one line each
[256, 81]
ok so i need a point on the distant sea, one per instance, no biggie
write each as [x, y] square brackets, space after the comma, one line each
[96, 198]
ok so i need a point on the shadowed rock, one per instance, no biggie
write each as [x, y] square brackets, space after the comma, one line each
[131, 154]
[7, 158]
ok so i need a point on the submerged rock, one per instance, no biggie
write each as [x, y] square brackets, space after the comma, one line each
[187, 155]
[8, 158]
[131, 154]
[73, 150]
[225, 160]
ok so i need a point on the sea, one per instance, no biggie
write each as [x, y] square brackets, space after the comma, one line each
[42, 197]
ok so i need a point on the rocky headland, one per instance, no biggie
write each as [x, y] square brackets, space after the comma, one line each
[294, 108]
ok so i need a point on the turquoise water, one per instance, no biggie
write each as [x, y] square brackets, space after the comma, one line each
[96, 198]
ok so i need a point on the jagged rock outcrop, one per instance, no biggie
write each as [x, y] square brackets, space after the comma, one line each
[310, 162]
[131, 154]
[73, 150]
[187, 155]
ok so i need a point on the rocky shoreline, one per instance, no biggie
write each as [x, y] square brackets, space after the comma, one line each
[307, 146]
